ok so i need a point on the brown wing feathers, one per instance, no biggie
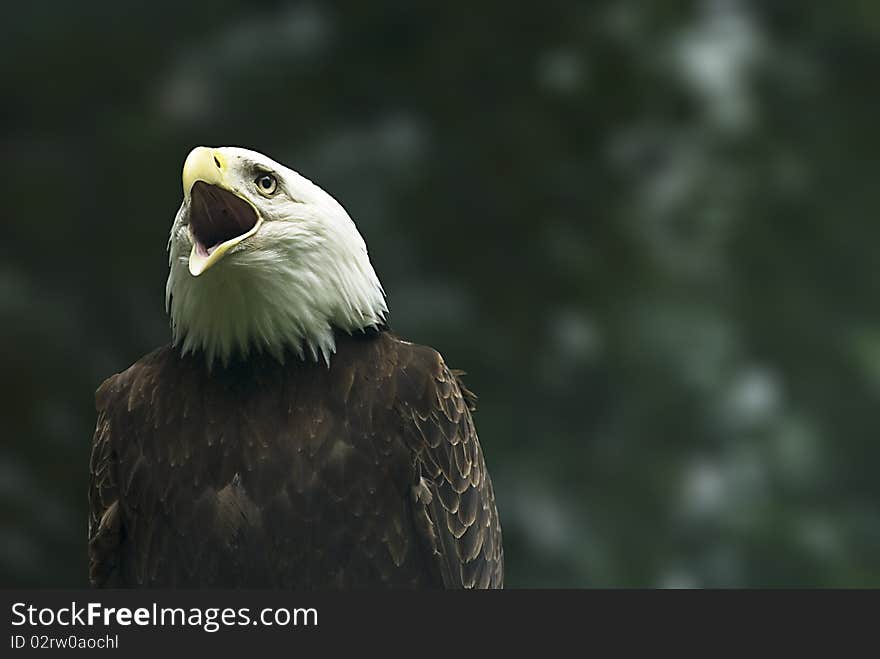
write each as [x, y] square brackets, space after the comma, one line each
[462, 511]
[368, 473]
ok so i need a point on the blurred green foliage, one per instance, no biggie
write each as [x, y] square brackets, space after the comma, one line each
[646, 230]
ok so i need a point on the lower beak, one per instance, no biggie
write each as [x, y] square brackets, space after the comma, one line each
[201, 258]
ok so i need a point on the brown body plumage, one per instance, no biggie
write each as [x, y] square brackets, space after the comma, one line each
[259, 474]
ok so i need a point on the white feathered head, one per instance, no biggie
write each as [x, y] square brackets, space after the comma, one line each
[262, 259]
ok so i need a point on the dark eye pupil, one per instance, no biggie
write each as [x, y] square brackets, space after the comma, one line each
[266, 182]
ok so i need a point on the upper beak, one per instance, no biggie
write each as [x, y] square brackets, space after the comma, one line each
[210, 166]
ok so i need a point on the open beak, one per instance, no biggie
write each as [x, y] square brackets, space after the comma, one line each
[219, 218]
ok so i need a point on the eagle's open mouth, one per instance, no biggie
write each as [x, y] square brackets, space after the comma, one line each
[217, 216]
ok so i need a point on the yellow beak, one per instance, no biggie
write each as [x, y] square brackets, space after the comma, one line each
[204, 164]
[210, 166]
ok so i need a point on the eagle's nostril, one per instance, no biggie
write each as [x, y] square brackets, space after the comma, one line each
[217, 162]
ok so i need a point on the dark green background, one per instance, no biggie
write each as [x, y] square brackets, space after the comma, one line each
[646, 230]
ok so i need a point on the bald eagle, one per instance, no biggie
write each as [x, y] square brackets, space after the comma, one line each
[286, 438]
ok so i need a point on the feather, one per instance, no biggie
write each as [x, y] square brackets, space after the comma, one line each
[291, 475]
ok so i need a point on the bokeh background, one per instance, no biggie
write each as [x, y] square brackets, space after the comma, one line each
[646, 230]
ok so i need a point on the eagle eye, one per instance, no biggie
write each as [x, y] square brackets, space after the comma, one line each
[266, 184]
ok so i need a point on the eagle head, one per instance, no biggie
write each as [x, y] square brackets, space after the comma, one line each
[262, 259]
